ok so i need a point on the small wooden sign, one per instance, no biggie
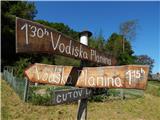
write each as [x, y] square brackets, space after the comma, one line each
[70, 95]
[32, 37]
[127, 76]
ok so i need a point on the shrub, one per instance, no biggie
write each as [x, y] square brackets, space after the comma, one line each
[20, 66]
[40, 95]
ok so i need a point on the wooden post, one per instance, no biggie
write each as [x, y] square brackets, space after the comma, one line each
[82, 104]
[82, 109]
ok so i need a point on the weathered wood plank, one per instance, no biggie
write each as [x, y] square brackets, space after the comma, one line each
[32, 37]
[70, 95]
[127, 76]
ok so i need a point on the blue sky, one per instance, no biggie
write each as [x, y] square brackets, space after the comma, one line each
[106, 17]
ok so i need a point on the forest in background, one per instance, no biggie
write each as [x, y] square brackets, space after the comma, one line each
[118, 44]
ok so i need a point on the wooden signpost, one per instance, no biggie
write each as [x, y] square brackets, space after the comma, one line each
[65, 96]
[32, 37]
[127, 76]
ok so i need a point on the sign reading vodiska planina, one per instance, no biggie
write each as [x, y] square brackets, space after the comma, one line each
[32, 37]
[127, 76]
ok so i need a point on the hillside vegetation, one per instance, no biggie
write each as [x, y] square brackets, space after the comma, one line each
[143, 108]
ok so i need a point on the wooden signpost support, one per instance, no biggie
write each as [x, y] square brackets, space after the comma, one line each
[82, 104]
[32, 37]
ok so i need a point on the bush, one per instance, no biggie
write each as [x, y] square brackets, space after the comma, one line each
[99, 98]
[40, 99]
[43, 94]
[20, 66]
[39, 95]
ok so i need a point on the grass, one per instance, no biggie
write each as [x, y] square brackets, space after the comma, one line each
[156, 83]
[153, 88]
[142, 108]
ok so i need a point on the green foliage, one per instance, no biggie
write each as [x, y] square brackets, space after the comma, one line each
[45, 60]
[43, 94]
[145, 60]
[114, 46]
[125, 59]
[9, 10]
[99, 98]
[20, 66]
[61, 60]
[40, 99]
[48, 59]
[99, 94]
[40, 96]
[97, 42]
[61, 27]
[21, 9]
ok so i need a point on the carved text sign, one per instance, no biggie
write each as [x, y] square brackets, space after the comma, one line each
[127, 76]
[70, 95]
[32, 37]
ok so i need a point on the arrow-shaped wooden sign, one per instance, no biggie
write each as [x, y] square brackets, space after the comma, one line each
[32, 37]
[127, 76]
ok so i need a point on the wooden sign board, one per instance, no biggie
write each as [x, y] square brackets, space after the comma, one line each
[127, 76]
[70, 95]
[32, 37]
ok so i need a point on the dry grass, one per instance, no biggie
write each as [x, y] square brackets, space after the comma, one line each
[145, 108]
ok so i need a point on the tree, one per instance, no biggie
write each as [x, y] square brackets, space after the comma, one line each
[129, 30]
[114, 46]
[9, 10]
[100, 41]
[145, 60]
[61, 27]
[97, 42]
